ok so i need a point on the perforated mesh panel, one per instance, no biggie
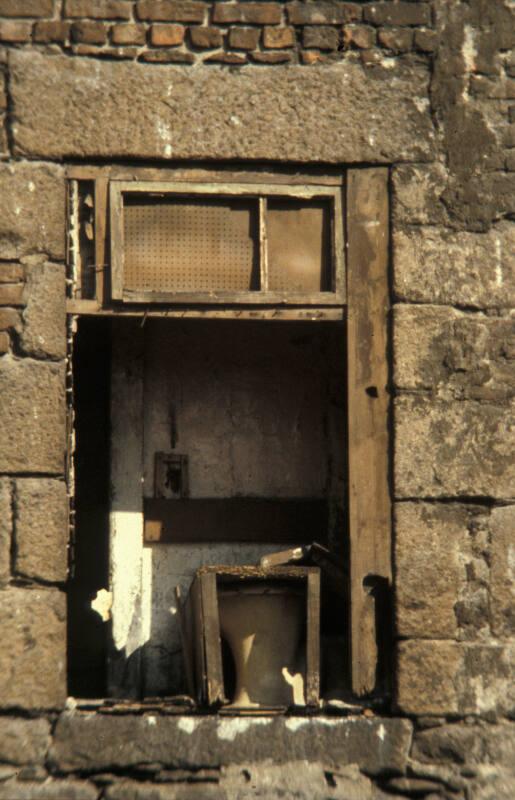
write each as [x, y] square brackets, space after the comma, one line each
[184, 244]
[299, 245]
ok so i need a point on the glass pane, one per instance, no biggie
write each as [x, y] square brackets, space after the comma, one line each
[189, 245]
[299, 245]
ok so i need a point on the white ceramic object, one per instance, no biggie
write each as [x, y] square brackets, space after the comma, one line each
[263, 626]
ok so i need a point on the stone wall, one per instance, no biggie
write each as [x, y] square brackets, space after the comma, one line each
[427, 88]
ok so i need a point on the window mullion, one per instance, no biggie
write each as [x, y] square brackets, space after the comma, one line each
[263, 246]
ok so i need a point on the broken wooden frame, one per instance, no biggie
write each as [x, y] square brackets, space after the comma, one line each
[366, 309]
[201, 626]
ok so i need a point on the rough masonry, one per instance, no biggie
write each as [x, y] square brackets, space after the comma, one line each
[427, 88]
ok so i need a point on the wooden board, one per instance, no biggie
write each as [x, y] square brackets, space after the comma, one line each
[313, 638]
[238, 519]
[368, 409]
[101, 188]
[273, 314]
[212, 643]
[202, 606]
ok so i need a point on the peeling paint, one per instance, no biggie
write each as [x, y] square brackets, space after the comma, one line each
[187, 724]
[229, 729]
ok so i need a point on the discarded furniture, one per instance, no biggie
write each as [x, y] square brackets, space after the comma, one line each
[270, 621]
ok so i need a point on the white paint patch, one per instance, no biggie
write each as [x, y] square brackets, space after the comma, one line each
[164, 133]
[498, 261]
[296, 681]
[381, 732]
[294, 723]
[421, 104]
[235, 120]
[187, 724]
[468, 48]
[388, 63]
[32, 186]
[151, 721]
[228, 729]
[102, 603]
[469, 53]
[126, 546]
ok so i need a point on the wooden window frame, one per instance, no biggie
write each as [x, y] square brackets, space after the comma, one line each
[363, 301]
[259, 192]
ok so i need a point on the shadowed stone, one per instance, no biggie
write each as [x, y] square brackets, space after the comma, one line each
[32, 434]
[24, 741]
[96, 743]
[33, 652]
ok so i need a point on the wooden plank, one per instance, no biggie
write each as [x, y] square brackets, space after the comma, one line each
[286, 176]
[239, 519]
[116, 231]
[92, 308]
[226, 298]
[213, 647]
[186, 643]
[86, 172]
[240, 189]
[263, 247]
[313, 639]
[101, 190]
[283, 557]
[368, 407]
[194, 612]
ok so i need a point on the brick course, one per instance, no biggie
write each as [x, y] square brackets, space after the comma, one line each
[98, 9]
[171, 11]
[26, 8]
[167, 35]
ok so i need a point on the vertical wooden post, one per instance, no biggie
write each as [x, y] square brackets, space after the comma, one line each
[368, 403]
[313, 638]
[101, 188]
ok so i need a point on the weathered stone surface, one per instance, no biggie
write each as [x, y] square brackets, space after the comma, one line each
[10, 318]
[487, 679]
[44, 333]
[492, 783]
[50, 790]
[441, 570]
[96, 743]
[417, 192]
[426, 672]
[336, 114]
[32, 409]
[446, 449]
[471, 35]
[432, 265]
[11, 273]
[502, 565]
[24, 741]
[455, 354]
[442, 677]
[32, 210]
[132, 790]
[461, 744]
[33, 652]
[41, 528]
[5, 529]
[300, 779]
